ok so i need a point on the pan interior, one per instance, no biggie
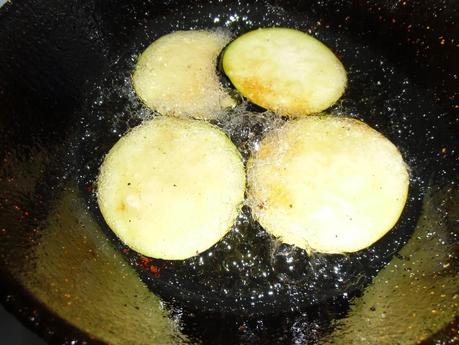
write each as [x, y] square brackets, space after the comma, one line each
[249, 271]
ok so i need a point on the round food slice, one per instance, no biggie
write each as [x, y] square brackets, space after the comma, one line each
[284, 70]
[328, 184]
[171, 188]
[176, 74]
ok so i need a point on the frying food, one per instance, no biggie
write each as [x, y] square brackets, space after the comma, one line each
[176, 75]
[284, 70]
[327, 184]
[171, 188]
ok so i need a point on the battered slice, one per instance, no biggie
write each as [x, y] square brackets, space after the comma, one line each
[171, 188]
[328, 184]
[284, 70]
[176, 74]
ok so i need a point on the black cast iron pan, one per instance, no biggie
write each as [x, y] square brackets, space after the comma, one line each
[65, 84]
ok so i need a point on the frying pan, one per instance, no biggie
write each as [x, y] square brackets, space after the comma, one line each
[65, 98]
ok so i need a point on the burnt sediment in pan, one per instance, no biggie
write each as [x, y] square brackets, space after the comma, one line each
[249, 272]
